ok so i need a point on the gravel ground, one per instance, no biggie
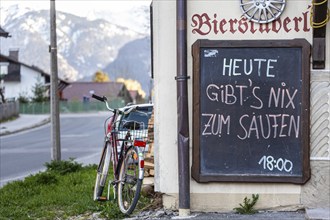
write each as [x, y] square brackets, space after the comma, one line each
[169, 214]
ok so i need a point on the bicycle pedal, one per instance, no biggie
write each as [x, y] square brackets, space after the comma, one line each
[102, 198]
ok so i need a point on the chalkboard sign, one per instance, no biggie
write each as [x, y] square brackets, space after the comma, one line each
[251, 111]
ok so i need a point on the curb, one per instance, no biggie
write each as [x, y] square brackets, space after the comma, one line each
[43, 122]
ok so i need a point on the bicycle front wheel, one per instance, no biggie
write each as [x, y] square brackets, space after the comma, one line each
[129, 186]
[102, 172]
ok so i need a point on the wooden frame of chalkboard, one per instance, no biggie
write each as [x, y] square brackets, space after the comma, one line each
[251, 111]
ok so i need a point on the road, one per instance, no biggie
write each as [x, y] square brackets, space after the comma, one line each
[26, 153]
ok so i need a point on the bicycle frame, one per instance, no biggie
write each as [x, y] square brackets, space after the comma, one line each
[112, 138]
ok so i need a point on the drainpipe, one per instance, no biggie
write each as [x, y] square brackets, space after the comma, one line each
[182, 108]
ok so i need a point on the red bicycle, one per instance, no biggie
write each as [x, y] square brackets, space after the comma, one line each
[124, 147]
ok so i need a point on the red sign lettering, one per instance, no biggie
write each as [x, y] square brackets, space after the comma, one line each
[203, 24]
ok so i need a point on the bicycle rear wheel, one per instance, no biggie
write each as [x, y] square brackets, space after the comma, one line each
[129, 186]
[102, 172]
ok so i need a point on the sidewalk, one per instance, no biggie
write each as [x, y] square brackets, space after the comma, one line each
[22, 123]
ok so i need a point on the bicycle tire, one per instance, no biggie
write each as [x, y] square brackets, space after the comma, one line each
[129, 186]
[102, 172]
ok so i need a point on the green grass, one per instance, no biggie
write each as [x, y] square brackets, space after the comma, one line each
[63, 190]
[12, 118]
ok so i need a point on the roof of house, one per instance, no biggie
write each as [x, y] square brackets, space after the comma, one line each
[62, 83]
[3, 33]
[79, 90]
[12, 60]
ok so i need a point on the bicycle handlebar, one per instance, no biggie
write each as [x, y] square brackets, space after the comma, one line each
[104, 99]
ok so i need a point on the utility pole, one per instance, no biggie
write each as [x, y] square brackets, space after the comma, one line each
[54, 99]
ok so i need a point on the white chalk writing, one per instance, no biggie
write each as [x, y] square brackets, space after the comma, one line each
[270, 163]
[269, 126]
[232, 66]
[215, 124]
[251, 125]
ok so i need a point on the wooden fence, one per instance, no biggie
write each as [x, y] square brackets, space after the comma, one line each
[8, 110]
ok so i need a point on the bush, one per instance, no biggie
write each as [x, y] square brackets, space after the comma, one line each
[23, 98]
[64, 166]
[46, 178]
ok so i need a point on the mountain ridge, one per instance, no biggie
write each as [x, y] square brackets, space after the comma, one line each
[84, 46]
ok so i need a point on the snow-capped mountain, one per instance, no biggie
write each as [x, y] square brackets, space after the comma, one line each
[84, 45]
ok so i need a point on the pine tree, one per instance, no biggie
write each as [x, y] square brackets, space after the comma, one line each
[39, 91]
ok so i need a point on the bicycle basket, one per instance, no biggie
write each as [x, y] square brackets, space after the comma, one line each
[139, 131]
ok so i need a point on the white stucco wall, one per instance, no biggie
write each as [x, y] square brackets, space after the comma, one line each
[225, 196]
[29, 78]
[165, 95]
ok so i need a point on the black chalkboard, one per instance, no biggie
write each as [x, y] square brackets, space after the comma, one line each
[251, 111]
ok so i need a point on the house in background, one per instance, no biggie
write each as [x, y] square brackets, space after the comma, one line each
[18, 79]
[136, 97]
[4, 34]
[81, 91]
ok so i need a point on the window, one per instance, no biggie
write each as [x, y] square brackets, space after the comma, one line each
[4, 68]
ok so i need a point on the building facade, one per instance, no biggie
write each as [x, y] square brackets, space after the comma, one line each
[19, 79]
[224, 23]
